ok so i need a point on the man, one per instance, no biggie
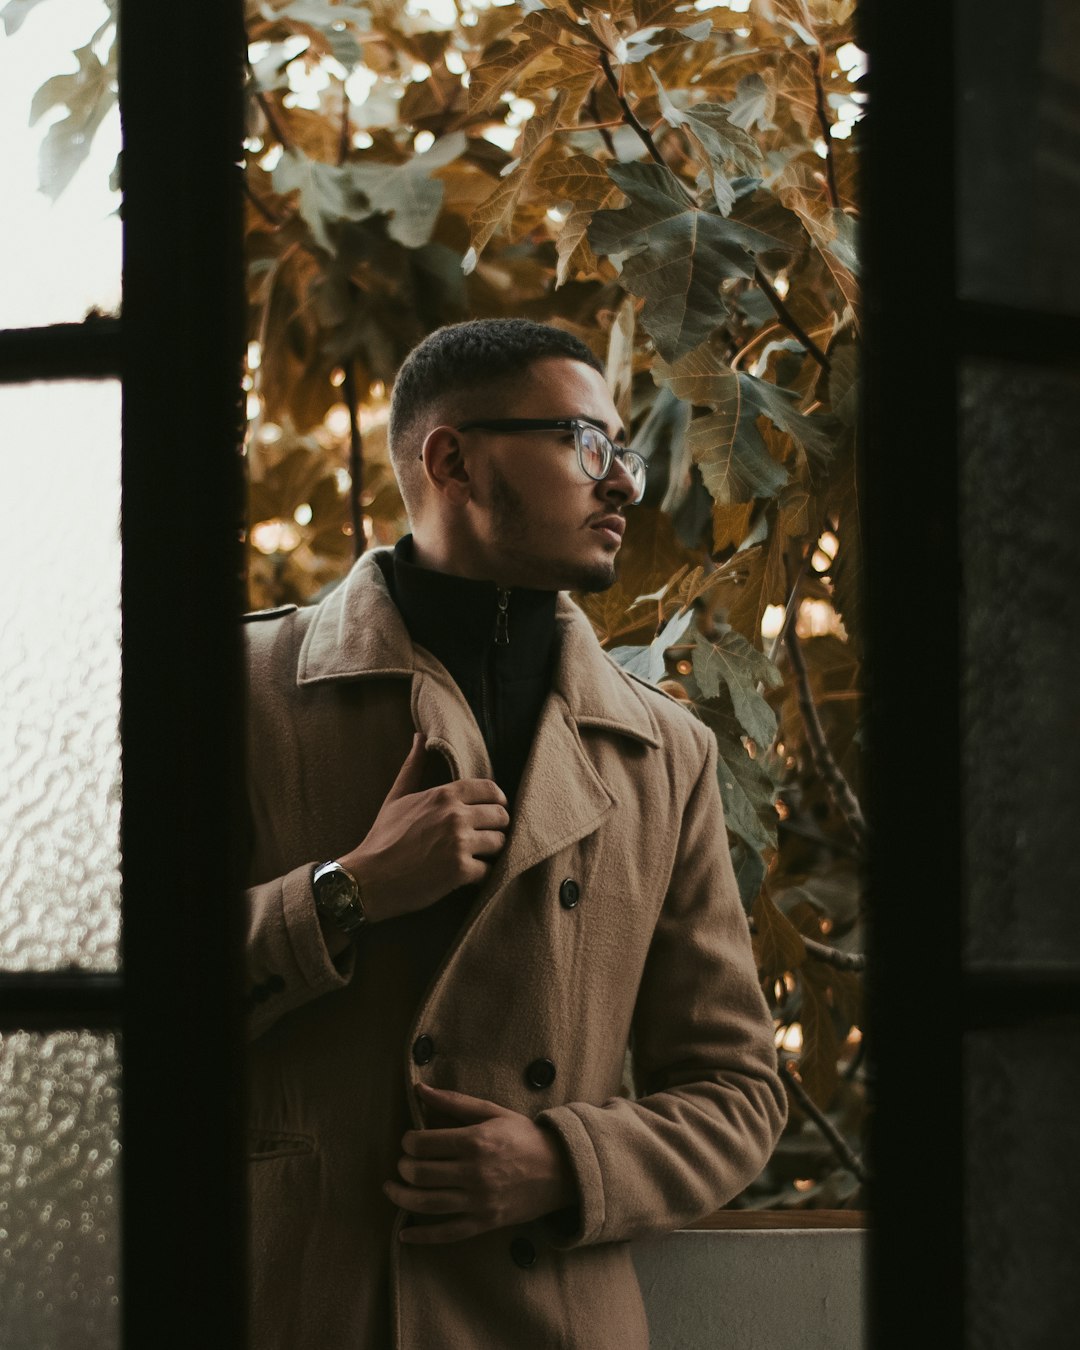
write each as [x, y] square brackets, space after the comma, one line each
[485, 860]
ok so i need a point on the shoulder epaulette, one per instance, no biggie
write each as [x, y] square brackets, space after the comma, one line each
[255, 615]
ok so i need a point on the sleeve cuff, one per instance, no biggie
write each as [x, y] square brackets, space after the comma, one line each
[314, 964]
[586, 1168]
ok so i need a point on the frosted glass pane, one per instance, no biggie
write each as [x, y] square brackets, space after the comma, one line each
[59, 1193]
[59, 675]
[60, 257]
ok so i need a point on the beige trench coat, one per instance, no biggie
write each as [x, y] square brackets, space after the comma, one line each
[649, 946]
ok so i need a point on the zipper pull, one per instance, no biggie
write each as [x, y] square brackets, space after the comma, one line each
[502, 620]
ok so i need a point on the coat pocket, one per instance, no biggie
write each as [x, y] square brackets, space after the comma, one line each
[266, 1144]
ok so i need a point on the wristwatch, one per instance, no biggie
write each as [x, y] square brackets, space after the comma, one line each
[337, 897]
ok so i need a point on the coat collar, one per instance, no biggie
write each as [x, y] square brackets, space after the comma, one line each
[357, 631]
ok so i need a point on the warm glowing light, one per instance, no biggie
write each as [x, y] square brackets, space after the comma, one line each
[302, 514]
[337, 377]
[336, 420]
[275, 536]
[803, 1184]
[254, 406]
[269, 434]
[378, 389]
[828, 543]
[254, 355]
[790, 1038]
[772, 621]
[684, 667]
[423, 140]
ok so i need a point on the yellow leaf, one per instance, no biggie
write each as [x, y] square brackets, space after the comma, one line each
[584, 182]
[778, 944]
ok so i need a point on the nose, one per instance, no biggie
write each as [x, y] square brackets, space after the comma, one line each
[618, 486]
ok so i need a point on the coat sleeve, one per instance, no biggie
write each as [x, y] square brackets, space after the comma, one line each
[712, 1104]
[287, 961]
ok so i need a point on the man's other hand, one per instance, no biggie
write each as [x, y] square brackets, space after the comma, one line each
[425, 844]
[494, 1169]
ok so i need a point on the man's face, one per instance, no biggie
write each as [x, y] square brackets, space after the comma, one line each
[539, 520]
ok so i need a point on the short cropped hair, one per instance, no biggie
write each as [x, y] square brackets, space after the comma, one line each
[440, 378]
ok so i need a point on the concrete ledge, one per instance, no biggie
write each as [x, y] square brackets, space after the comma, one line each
[778, 1289]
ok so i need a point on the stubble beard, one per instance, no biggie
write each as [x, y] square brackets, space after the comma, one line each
[508, 514]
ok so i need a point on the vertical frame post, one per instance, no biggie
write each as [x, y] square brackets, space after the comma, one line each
[181, 92]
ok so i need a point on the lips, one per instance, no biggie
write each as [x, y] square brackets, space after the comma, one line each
[613, 526]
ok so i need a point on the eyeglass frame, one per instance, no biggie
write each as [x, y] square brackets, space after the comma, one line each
[577, 425]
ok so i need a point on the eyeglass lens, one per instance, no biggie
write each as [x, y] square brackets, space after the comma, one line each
[597, 454]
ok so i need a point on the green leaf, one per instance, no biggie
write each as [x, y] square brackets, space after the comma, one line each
[647, 663]
[676, 255]
[406, 192]
[88, 94]
[727, 446]
[14, 13]
[733, 664]
[718, 141]
[747, 792]
[754, 104]
[328, 193]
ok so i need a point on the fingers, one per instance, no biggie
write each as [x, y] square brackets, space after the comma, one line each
[422, 1201]
[458, 1105]
[480, 791]
[485, 843]
[411, 772]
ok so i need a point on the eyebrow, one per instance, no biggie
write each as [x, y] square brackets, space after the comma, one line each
[619, 435]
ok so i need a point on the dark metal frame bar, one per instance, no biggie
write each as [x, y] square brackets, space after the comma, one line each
[64, 351]
[916, 1272]
[178, 348]
[183, 344]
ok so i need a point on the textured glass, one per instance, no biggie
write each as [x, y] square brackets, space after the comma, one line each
[59, 676]
[58, 221]
[1022, 1188]
[59, 1197]
[1019, 151]
[1020, 504]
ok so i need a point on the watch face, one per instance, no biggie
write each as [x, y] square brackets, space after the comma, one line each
[337, 897]
[336, 889]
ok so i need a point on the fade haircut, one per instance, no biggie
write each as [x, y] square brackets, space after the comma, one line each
[439, 380]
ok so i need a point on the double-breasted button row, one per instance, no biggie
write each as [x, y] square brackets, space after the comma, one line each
[540, 1073]
[569, 893]
[259, 993]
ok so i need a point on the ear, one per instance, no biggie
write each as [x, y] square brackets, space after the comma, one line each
[444, 464]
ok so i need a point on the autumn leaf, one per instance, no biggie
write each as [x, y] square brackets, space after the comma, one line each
[540, 35]
[496, 211]
[778, 944]
[406, 192]
[675, 255]
[584, 183]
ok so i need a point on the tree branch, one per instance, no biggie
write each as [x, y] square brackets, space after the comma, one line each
[343, 132]
[643, 132]
[356, 461]
[836, 784]
[839, 1144]
[605, 134]
[264, 208]
[832, 956]
[273, 121]
[789, 321]
[817, 61]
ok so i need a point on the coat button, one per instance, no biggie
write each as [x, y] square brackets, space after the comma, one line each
[423, 1050]
[523, 1252]
[540, 1073]
[569, 893]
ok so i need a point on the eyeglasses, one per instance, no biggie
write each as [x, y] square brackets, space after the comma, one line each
[595, 452]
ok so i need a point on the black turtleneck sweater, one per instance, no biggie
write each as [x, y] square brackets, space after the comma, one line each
[498, 645]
